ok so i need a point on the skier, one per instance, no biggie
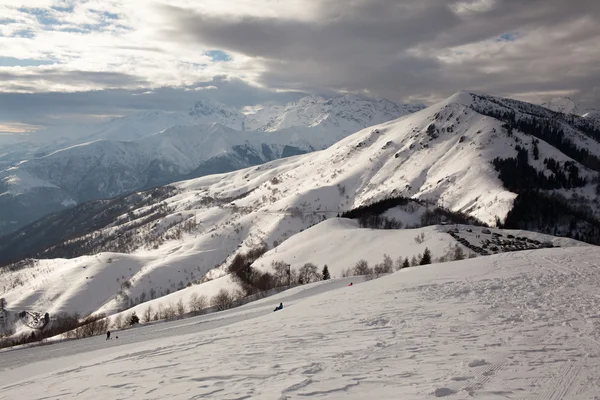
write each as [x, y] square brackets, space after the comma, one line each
[350, 284]
[279, 307]
[107, 335]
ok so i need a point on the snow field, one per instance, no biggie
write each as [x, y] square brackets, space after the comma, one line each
[514, 325]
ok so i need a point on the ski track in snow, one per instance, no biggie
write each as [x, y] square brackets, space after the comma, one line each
[516, 325]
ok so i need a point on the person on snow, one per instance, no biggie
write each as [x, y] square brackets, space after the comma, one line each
[107, 335]
[279, 307]
[350, 284]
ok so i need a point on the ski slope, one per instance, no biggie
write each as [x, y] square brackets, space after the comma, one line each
[514, 325]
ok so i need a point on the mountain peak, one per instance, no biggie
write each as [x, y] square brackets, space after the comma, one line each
[207, 107]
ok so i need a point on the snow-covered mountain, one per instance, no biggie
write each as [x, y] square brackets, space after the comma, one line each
[149, 149]
[346, 113]
[476, 154]
[566, 105]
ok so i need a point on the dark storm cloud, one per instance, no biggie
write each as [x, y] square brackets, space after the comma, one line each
[390, 48]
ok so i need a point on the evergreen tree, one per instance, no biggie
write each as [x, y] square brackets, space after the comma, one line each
[134, 319]
[426, 258]
[536, 150]
[406, 263]
[325, 273]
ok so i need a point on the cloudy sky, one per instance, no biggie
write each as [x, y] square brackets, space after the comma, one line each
[64, 61]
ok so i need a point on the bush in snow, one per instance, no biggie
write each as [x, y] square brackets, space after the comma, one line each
[197, 303]
[91, 326]
[169, 312]
[133, 319]
[420, 238]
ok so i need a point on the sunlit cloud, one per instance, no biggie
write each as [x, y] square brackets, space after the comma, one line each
[414, 50]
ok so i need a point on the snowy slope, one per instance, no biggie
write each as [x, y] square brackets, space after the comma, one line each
[340, 243]
[593, 115]
[564, 105]
[517, 325]
[269, 204]
[154, 148]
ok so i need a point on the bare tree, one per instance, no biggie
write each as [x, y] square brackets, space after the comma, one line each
[147, 316]
[361, 268]
[223, 300]
[282, 273]
[169, 312]
[158, 315]
[415, 261]
[459, 254]
[387, 267]
[118, 322]
[181, 308]
[92, 326]
[308, 273]
[197, 303]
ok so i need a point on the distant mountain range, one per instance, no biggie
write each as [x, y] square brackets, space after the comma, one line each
[61, 168]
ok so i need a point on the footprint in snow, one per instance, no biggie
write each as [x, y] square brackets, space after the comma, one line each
[477, 363]
[443, 392]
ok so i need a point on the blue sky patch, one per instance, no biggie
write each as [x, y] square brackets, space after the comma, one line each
[507, 37]
[43, 16]
[110, 15]
[68, 9]
[23, 62]
[218, 55]
[24, 33]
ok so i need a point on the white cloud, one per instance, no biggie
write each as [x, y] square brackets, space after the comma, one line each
[414, 50]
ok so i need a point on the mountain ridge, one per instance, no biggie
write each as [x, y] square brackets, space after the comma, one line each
[103, 167]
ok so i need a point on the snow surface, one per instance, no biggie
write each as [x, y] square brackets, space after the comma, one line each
[515, 325]
[340, 243]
